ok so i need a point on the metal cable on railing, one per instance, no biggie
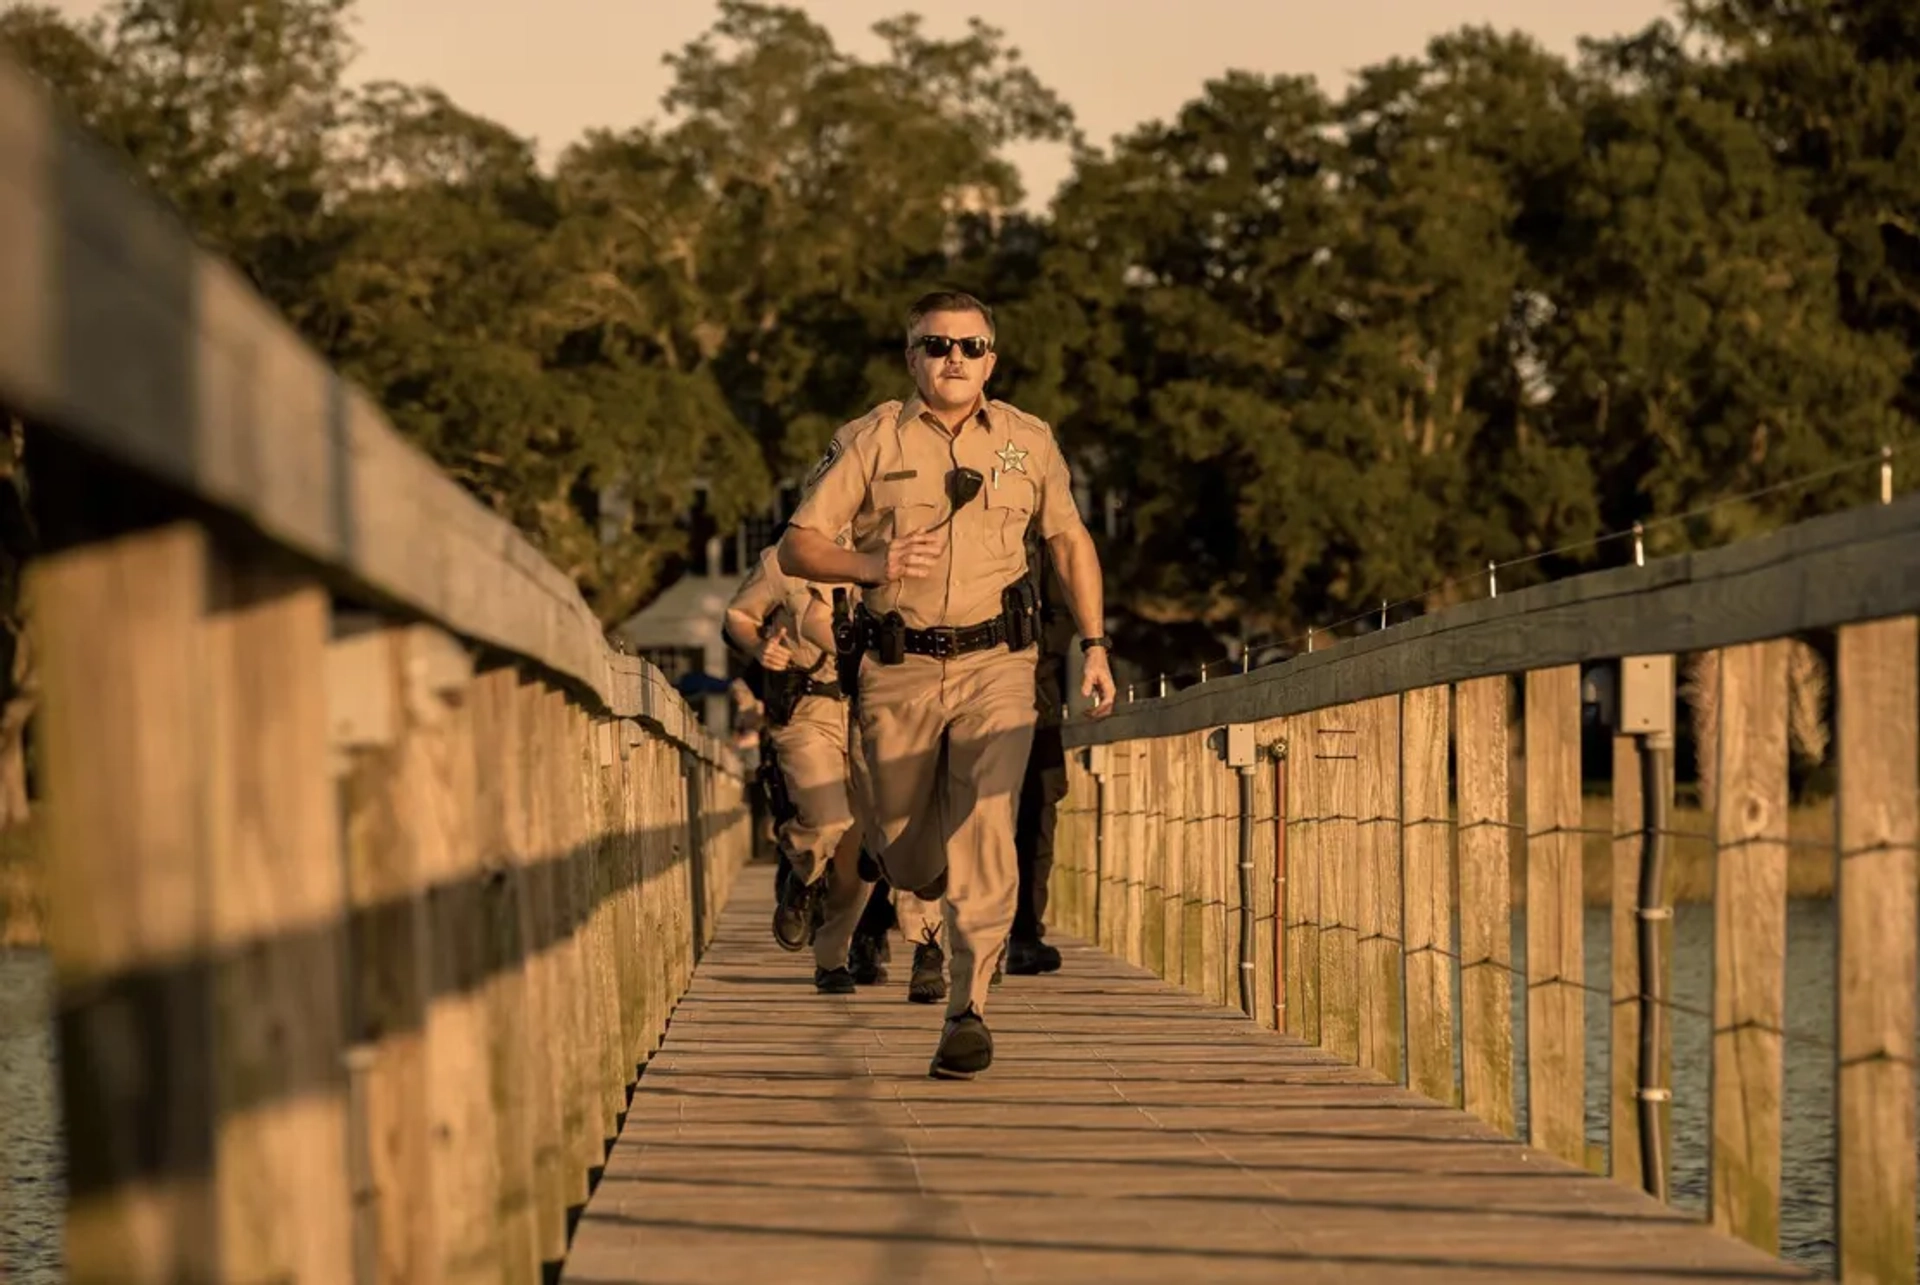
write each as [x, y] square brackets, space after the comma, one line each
[1295, 644]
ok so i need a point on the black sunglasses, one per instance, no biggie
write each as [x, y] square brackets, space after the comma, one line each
[973, 347]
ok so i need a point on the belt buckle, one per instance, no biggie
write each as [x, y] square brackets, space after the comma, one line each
[945, 642]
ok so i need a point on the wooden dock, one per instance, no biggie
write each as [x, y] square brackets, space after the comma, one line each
[1128, 1131]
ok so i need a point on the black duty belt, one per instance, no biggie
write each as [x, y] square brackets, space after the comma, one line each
[948, 641]
[814, 687]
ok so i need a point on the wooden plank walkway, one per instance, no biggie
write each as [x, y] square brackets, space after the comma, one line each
[1128, 1131]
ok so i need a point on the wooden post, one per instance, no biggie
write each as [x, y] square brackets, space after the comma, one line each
[118, 630]
[594, 756]
[1749, 943]
[560, 851]
[548, 1030]
[625, 817]
[1306, 809]
[1556, 971]
[434, 780]
[1194, 885]
[1427, 845]
[1382, 935]
[693, 772]
[386, 883]
[1486, 931]
[1216, 855]
[1153, 908]
[515, 1063]
[1122, 830]
[279, 926]
[1337, 775]
[1878, 830]
[1173, 905]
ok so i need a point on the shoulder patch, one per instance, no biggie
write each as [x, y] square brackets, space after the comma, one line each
[835, 449]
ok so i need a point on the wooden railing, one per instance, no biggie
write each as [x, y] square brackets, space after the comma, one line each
[373, 874]
[1326, 843]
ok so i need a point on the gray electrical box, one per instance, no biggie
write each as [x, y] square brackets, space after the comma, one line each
[1239, 744]
[1646, 695]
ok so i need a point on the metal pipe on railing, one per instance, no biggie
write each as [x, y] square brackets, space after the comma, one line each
[1246, 889]
[1279, 752]
[1656, 767]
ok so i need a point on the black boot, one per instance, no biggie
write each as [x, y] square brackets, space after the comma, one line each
[833, 981]
[796, 912]
[1027, 958]
[966, 1048]
[928, 985]
[867, 959]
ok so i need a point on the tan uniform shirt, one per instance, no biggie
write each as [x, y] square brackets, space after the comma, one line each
[886, 476]
[775, 598]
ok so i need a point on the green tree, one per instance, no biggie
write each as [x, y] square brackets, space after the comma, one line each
[1697, 345]
[226, 109]
[767, 233]
[1833, 86]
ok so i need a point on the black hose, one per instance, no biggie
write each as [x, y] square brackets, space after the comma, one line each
[1246, 891]
[1656, 765]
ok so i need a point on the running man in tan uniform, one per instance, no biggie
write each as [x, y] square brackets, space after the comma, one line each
[787, 625]
[939, 494]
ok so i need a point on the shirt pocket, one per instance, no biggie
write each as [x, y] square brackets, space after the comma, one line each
[911, 504]
[1010, 508]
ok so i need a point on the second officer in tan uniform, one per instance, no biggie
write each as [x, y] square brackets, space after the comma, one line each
[939, 493]
[785, 624]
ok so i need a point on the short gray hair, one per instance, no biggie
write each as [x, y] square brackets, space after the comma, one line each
[946, 301]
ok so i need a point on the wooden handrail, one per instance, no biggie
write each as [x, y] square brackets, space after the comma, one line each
[1862, 564]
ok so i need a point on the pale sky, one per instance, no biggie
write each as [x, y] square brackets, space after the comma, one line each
[550, 69]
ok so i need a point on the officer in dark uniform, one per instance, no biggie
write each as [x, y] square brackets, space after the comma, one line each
[1046, 780]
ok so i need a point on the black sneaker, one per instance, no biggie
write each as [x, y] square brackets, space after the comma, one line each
[928, 985]
[867, 960]
[793, 913]
[1027, 958]
[966, 1048]
[833, 981]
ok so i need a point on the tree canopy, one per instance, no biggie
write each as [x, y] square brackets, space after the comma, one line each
[1318, 351]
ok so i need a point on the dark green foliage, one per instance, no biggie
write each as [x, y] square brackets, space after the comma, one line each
[1488, 305]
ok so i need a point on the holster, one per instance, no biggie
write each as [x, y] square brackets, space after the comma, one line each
[1020, 615]
[849, 643]
[773, 784]
[885, 635]
[784, 688]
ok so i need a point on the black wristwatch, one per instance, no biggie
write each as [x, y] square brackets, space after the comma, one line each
[1088, 644]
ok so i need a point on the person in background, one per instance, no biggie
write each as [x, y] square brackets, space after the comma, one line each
[786, 625]
[1046, 780]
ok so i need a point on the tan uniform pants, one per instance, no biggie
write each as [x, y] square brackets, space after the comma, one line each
[946, 745]
[823, 837]
[915, 920]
